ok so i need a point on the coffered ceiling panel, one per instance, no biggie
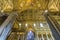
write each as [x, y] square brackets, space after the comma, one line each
[31, 15]
[53, 5]
[6, 5]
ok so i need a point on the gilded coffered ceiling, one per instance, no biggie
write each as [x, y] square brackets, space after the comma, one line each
[20, 5]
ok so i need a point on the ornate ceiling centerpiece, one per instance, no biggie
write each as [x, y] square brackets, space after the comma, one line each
[30, 4]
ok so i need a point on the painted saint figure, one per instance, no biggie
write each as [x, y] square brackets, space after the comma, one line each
[30, 35]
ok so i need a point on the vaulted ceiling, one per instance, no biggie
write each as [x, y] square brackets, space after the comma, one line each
[30, 9]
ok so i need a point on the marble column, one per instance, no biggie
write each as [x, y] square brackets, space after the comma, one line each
[47, 36]
[42, 37]
[52, 36]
